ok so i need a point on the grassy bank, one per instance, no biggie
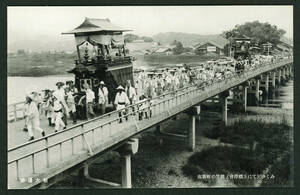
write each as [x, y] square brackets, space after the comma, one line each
[255, 147]
[39, 64]
[43, 64]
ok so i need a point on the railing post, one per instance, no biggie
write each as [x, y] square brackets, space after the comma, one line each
[47, 153]
[17, 170]
[15, 112]
[33, 169]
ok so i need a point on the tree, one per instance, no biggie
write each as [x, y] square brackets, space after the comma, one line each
[21, 52]
[128, 38]
[258, 32]
[147, 39]
[174, 42]
[178, 49]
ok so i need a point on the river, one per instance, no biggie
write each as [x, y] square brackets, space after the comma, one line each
[16, 86]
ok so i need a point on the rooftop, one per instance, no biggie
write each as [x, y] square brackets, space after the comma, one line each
[95, 26]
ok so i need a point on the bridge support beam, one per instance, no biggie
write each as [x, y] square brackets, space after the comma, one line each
[223, 99]
[158, 132]
[283, 74]
[267, 83]
[198, 109]
[126, 171]
[192, 133]
[245, 88]
[193, 113]
[257, 91]
[279, 76]
[128, 149]
[287, 74]
[87, 176]
[273, 80]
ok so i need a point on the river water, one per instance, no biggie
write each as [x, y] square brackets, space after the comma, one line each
[17, 86]
[284, 96]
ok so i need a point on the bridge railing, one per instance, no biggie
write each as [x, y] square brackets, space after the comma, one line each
[107, 129]
[15, 111]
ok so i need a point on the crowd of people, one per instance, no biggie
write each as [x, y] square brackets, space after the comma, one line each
[60, 104]
[156, 83]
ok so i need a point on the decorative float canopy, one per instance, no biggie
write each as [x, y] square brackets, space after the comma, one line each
[98, 31]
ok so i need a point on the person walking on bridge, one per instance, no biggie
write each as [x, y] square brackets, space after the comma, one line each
[58, 111]
[90, 98]
[103, 97]
[33, 118]
[131, 94]
[25, 111]
[71, 104]
[121, 101]
[61, 95]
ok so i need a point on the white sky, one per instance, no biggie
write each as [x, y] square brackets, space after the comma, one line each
[146, 20]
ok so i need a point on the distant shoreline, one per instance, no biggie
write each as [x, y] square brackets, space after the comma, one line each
[52, 75]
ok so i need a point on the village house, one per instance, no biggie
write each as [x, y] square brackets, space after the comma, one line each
[210, 46]
[214, 43]
[284, 46]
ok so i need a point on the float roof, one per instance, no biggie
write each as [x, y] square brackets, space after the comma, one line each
[95, 26]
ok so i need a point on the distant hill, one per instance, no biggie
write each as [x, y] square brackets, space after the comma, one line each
[187, 39]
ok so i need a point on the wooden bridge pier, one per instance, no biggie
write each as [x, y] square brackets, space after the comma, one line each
[279, 76]
[257, 85]
[273, 80]
[223, 100]
[267, 83]
[287, 73]
[193, 113]
[126, 151]
[245, 94]
[283, 74]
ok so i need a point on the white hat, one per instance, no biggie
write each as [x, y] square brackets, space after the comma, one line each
[120, 87]
[30, 96]
[102, 83]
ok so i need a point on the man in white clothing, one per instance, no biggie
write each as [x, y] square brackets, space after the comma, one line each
[90, 98]
[103, 97]
[121, 101]
[33, 118]
[58, 111]
[71, 104]
[61, 95]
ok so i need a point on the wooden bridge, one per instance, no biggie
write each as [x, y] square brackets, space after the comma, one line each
[43, 161]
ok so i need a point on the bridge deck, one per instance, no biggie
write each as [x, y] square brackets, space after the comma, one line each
[57, 152]
[16, 136]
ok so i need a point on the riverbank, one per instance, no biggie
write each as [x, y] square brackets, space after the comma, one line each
[161, 166]
[46, 63]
